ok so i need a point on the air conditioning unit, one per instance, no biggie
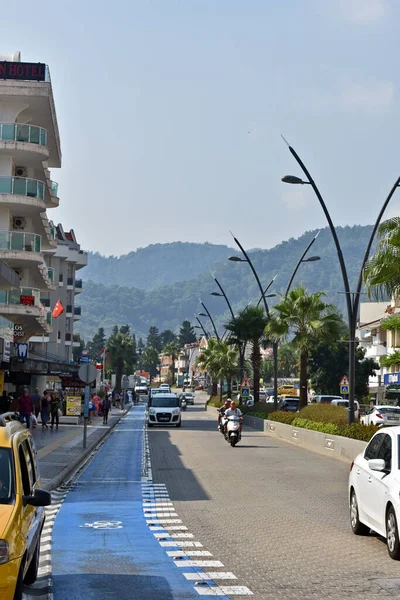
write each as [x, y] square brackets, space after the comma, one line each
[18, 223]
[21, 172]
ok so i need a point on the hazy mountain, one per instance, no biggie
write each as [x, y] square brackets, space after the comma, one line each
[167, 306]
[156, 265]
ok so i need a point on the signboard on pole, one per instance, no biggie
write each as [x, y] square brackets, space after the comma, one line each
[344, 380]
[84, 358]
[345, 389]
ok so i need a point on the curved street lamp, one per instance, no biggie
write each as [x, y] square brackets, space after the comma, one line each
[211, 319]
[263, 296]
[352, 298]
[200, 326]
[303, 260]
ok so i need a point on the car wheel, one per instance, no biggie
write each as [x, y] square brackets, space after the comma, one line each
[357, 527]
[179, 424]
[392, 534]
[31, 574]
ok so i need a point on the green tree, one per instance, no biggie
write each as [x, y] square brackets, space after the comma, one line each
[140, 344]
[382, 272]
[167, 336]
[97, 344]
[226, 364]
[134, 349]
[249, 327]
[307, 318]
[207, 362]
[125, 329]
[150, 360]
[172, 350]
[119, 347]
[77, 350]
[154, 339]
[288, 360]
[186, 334]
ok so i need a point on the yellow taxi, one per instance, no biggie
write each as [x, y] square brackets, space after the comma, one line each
[21, 508]
[287, 389]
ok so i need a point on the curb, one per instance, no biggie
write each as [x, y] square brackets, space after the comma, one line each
[54, 483]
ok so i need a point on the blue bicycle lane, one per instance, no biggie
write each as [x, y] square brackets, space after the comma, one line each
[124, 561]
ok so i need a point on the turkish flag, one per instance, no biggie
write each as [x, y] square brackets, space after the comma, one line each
[58, 309]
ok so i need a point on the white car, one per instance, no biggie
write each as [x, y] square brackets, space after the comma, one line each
[345, 404]
[374, 489]
[164, 410]
[166, 387]
[382, 415]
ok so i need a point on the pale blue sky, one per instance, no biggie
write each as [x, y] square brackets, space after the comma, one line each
[170, 113]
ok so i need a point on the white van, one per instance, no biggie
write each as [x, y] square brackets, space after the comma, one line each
[164, 410]
[345, 404]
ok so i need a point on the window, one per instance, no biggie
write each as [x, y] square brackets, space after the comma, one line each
[385, 451]
[6, 477]
[24, 472]
[29, 463]
[32, 457]
[372, 449]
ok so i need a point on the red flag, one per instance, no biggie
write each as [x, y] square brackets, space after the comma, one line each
[58, 309]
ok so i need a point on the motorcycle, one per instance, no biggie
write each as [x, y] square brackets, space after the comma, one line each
[183, 404]
[221, 425]
[233, 435]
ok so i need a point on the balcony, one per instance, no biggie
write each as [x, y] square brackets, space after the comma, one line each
[68, 310]
[76, 340]
[51, 274]
[68, 338]
[21, 296]
[78, 286]
[20, 240]
[24, 306]
[54, 200]
[77, 313]
[14, 132]
[60, 280]
[22, 186]
[70, 283]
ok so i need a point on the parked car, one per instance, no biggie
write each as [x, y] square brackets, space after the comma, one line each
[287, 389]
[382, 415]
[289, 404]
[325, 399]
[22, 514]
[374, 489]
[262, 395]
[345, 404]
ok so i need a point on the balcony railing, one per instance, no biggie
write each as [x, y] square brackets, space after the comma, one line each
[14, 132]
[77, 310]
[54, 188]
[50, 272]
[15, 296]
[19, 240]
[78, 283]
[53, 232]
[22, 186]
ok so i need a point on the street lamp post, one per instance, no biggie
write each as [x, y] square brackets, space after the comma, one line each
[274, 344]
[211, 319]
[352, 298]
[200, 326]
[303, 259]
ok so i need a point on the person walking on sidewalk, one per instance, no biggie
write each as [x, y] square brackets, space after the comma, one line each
[106, 409]
[36, 402]
[54, 410]
[25, 408]
[44, 409]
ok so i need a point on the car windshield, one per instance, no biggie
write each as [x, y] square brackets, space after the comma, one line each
[6, 476]
[328, 399]
[165, 402]
[386, 410]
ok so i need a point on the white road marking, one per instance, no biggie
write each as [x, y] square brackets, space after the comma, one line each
[209, 575]
[189, 553]
[198, 563]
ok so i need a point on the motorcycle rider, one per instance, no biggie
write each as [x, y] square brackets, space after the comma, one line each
[233, 411]
[222, 411]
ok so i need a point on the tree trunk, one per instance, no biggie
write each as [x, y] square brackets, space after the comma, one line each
[256, 362]
[303, 379]
[229, 386]
[119, 367]
[214, 387]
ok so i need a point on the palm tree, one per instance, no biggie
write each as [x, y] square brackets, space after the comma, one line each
[172, 349]
[307, 318]
[249, 327]
[382, 272]
[207, 362]
[226, 359]
[120, 348]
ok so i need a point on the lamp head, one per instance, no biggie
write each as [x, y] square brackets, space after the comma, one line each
[312, 259]
[236, 259]
[293, 180]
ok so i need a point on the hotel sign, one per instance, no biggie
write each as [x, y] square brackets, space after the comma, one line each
[27, 300]
[22, 71]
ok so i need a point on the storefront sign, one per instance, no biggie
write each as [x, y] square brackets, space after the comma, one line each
[23, 71]
[27, 300]
[18, 332]
[74, 404]
[391, 378]
[6, 351]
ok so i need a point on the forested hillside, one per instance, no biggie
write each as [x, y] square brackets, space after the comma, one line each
[167, 306]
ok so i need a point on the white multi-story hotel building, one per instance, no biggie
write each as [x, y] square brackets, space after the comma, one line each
[29, 146]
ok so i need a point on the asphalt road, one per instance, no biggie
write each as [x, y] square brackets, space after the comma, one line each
[274, 514]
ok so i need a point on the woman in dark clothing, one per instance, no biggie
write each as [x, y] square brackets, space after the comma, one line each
[106, 409]
[54, 410]
[44, 410]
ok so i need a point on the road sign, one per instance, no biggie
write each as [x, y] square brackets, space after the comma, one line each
[84, 358]
[344, 389]
[245, 392]
[344, 381]
[87, 373]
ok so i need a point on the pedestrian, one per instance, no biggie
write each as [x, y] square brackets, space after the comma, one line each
[25, 407]
[44, 409]
[105, 409]
[117, 399]
[4, 402]
[54, 410]
[36, 402]
[96, 401]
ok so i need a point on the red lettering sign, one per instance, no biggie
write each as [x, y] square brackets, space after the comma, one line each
[22, 71]
[27, 300]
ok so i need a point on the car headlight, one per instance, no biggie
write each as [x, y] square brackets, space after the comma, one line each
[4, 553]
[175, 411]
[152, 411]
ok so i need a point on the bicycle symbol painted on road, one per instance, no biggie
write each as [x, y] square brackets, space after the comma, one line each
[103, 525]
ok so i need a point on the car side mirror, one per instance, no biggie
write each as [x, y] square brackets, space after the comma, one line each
[39, 498]
[377, 464]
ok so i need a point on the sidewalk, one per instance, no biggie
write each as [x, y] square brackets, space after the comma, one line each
[60, 451]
